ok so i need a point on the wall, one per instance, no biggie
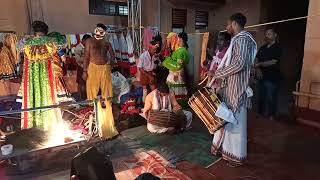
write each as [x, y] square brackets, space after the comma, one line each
[311, 63]
[150, 13]
[70, 16]
[250, 8]
[13, 16]
[217, 21]
[67, 20]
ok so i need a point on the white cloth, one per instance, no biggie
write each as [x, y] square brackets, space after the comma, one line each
[225, 113]
[232, 138]
[120, 86]
[161, 103]
[145, 62]
[130, 48]
[227, 57]
[124, 48]
[117, 46]
[73, 39]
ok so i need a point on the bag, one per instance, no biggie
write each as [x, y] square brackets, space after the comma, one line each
[147, 176]
[92, 165]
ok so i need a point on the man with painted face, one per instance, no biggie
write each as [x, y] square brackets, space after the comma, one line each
[97, 64]
[99, 57]
[268, 74]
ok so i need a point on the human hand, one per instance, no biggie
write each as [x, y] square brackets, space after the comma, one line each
[85, 75]
[259, 74]
[176, 108]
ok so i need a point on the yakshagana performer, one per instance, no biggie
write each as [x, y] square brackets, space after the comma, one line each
[41, 85]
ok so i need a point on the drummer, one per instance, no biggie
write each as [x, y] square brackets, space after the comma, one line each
[161, 99]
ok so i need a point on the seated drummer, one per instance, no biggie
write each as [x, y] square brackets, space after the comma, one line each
[161, 99]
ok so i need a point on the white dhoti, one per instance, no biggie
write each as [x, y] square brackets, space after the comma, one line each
[232, 139]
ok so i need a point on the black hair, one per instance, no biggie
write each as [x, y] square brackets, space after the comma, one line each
[153, 43]
[184, 37]
[239, 18]
[85, 37]
[163, 88]
[100, 25]
[158, 39]
[226, 36]
[39, 26]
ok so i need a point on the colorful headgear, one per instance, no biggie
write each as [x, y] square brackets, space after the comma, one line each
[58, 38]
[172, 38]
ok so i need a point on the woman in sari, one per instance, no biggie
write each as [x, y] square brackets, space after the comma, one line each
[176, 64]
[8, 57]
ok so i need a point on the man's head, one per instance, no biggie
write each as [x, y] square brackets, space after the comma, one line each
[85, 38]
[163, 89]
[223, 40]
[40, 27]
[153, 47]
[236, 23]
[100, 31]
[270, 35]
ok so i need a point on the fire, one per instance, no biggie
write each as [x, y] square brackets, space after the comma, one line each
[62, 134]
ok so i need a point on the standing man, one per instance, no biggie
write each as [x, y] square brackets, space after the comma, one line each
[268, 73]
[79, 56]
[97, 66]
[234, 70]
[146, 67]
[99, 57]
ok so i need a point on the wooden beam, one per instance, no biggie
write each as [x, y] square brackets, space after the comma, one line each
[306, 94]
[308, 122]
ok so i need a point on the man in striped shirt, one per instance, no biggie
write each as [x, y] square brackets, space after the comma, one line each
[234, 71]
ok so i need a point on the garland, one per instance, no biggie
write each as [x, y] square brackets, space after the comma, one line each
[39, 49]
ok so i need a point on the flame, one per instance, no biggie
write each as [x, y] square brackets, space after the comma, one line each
[62, 132]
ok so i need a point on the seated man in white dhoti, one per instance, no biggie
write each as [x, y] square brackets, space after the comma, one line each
[234, 71]
[161, 99]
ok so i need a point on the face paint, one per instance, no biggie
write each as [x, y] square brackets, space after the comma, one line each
[99, 33]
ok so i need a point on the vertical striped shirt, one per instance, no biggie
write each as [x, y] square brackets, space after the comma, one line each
[237, 74]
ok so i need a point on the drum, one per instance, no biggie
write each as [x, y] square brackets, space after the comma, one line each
[205, 104]
[165, 119]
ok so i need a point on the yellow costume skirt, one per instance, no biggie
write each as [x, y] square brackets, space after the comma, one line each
[99, 78]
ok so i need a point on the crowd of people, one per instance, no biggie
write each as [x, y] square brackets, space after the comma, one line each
[229, 70]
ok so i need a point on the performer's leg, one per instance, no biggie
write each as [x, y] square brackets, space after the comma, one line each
[93, 81]
[106, 82]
